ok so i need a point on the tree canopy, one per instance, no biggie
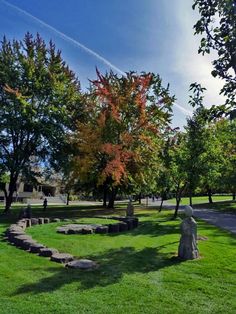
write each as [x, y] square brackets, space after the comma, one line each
[38, 97]
[119, 143]
[217, 24]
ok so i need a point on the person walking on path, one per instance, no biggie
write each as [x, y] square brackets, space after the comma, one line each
[45, 204]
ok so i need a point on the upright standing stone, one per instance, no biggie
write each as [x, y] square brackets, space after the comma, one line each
[130, 209]
[188, 241]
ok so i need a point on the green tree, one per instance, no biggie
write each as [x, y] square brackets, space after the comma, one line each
[195, 138]
[178, 173]
[225, 132]
[212, 161]
[217, 24]
[38, 97]
[163, 181]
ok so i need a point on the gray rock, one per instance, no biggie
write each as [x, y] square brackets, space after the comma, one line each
[20, 239]
[56, 220]
[28, 222]
[22, 224]
[61, 258]
[26, 244]
[123, 226]
[113, 228]
[13, 234]
[87, 230]
[34, 221]
[35, 248]
[62, 230]
[130, 209]
[82, 264]
[102, 229]
[130, 223]
[46, 220]
[47, 252]
[41, 220]
[188, 241]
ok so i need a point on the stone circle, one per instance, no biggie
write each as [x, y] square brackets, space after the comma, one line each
[16, 235]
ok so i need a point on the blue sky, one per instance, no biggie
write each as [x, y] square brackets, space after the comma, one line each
[150, 35]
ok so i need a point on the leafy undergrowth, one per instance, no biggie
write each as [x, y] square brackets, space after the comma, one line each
[138, 272]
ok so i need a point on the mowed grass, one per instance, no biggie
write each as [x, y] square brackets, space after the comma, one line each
[221, 203]
[201, 199]
[226, 207]
[138, 270]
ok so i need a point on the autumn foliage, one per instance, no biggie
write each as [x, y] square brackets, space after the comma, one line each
[119, 141]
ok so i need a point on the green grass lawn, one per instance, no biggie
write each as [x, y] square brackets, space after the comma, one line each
[221, 203]
[138, 271]
[227, 207]
[201, 199]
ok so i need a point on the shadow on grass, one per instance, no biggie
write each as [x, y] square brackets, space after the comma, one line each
[62, 212]
[113, 265]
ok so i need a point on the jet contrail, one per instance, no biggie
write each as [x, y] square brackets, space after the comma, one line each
[185, 111]
[78, 44]
[65, 37]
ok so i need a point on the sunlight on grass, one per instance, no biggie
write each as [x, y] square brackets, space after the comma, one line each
[138, 271]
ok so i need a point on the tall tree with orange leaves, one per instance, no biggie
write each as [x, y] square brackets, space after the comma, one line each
[119, 143]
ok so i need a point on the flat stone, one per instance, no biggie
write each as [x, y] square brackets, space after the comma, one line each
[61, 258]
[102, 229]
[14, 229]
[22, 223]
[20, 238]
[41, 220]
[46, 220]
[34, 221]
[35, 248]
[87, 230]
[13, 234]
[62, 230]
[28, 222]
[82, 264]
[129, 222]
[123, 226]
[113, 228]
[26, 244]
[56, 220]
[47, 252]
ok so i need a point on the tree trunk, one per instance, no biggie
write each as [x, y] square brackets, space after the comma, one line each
[112, 196]
[139, 198]
[9, 195]
[234, 196]
[209, 192]
[190, 199]
[160, 208]
[68, 198]
[178, 199]
[104, 196]
[9, 199]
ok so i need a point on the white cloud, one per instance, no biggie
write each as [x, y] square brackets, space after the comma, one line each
[187, 62]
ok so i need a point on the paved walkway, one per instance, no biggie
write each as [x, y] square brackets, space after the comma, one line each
[222, 220]
[213, 217]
